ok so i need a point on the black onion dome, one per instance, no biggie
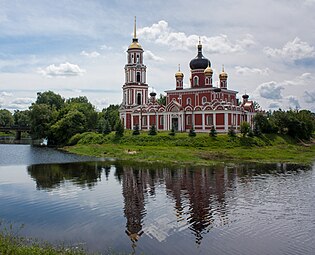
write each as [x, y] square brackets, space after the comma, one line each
[199, 62]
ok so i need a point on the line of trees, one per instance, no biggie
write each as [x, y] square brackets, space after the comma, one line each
[57, 119]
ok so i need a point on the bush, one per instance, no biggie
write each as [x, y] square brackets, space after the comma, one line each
[172, 133]
[136, 130]
[192, 132]
[119, 129]
[245, 127]
[213, 132]
[231, 132]
[152, 130]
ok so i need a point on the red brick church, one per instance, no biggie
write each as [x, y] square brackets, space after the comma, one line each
[200, 106]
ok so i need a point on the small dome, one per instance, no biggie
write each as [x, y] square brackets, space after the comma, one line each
[152, 94]
[216, 90]
[179, 74]
[208, 71]
[245, 96]
[135, 44]
[199, 62]
[223, 75]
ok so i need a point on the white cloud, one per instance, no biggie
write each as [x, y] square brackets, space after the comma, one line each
[309, 96]
[243, 70]
[303, 79]
[21, 101]
[93, 54]
[293, 102]
[5, 94]
[270, 90]
[294, 50]
[274, 105]
[161, 33]
[62, 70]
[150, 56]
[105, 47]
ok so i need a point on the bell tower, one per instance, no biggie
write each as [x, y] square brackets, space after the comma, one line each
[135, 89]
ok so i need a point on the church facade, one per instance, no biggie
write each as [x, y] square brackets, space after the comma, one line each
[198, 107]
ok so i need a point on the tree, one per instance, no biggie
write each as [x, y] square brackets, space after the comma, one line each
[231, 132]
[107, 128]
[111, 114]
[213, 132]
[119, 129]
[22, 118]
[72, 123]
[162, 99]
[136, 130]
[172, 133]
[50, 98]
[192, 132]
[42, 116]
[245, 127]
[152, 130]
[262, 124]
[6, 118]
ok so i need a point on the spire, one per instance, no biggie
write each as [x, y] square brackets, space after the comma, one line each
[199, 41]
[178, 67]
[135, 29]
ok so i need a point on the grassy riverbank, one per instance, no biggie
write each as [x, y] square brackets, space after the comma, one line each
[201, 150]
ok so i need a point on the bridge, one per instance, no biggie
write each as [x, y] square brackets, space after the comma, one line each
[18, 130]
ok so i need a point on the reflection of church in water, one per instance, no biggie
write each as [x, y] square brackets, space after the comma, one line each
[198, 195]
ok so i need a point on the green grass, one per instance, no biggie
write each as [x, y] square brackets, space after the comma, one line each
[201, 150]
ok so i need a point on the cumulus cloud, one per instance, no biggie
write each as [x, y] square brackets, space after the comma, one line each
[274, 105]
[93, 54]
[293, 102]
[62, 70]
[303, 79]
[22, 101]
[294, 50]
[309, 97]
[105, 47]
[149, 55]
[161, 33]
[243, 70]
[270, 90]
[5, 94]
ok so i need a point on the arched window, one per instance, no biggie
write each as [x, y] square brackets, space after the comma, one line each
[144, 120]
[209, 120]
[188, 100]
[207, 81]
[188, 120]
[139, 98]
[196, 80]
[138, 58]
[204, 100]
[138, 77]
[161, 120]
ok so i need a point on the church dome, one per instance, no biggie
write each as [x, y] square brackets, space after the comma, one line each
[223, 74]
[199, 62]
[179, 74]
[208, 71]
[135, 44]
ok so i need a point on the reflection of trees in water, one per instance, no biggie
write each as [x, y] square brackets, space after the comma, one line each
[50, 176]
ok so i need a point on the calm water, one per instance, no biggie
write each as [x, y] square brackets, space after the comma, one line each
[248, 209]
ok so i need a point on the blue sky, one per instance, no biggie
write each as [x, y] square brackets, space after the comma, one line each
[79, 47]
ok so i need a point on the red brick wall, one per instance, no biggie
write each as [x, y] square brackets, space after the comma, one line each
[220, 119]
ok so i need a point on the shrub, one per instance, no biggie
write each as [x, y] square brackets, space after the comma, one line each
[231, 132]
[119, 129]
[192, 132]
[136, 130]
[152, 130]
[213, 132]
[245, 127]
[172, 133]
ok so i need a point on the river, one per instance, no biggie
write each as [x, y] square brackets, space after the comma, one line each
[153, 209]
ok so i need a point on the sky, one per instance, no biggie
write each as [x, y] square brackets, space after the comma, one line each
[78, 48]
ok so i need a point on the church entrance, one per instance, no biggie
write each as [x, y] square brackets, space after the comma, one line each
[175, 123]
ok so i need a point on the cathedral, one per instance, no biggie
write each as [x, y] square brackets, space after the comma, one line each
[199, 107]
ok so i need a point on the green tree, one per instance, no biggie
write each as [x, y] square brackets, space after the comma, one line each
[213, 132]
[192, 132]
[152, 130]
[42, 116]
[22, 118]
[50, 98]
[262, 124]
[107, 128]
[111, 114]
[231, 132]
[136, 130]
[72, 123]
[245, 127]
[172, 133]
[162, 99]
[6, 118]
[119, 129]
